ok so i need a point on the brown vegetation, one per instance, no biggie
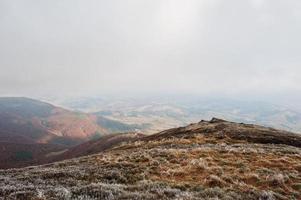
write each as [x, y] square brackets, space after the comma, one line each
[185, 163]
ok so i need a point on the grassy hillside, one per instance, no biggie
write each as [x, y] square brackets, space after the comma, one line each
[208, 160]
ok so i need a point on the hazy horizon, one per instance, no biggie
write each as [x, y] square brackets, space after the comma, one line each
[246, 50]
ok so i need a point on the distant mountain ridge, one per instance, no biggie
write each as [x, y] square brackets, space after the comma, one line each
[157, 114]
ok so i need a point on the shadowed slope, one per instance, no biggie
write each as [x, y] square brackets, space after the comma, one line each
[96, 146]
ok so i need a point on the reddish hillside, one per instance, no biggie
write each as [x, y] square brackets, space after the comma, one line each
[44, 123]
[15, 155]
[7, 137]
[96, 146]
[34, 132]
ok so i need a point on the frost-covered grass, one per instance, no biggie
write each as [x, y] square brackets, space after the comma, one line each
[195, 167]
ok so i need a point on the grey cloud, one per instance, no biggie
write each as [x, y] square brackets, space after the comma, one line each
[86, 47]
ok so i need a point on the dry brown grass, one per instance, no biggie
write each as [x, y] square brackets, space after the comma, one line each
[191, 167]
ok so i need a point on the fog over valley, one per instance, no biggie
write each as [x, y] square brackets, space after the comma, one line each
[241, 49]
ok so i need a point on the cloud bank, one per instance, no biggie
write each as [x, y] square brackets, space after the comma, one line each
[81, 47]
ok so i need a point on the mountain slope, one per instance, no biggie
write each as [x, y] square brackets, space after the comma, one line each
[16, 155]
[44, 123]
[207, 160]
[25, 154]
[94, 146]
[36, 129]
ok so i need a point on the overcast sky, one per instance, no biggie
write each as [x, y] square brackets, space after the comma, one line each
[59, 47]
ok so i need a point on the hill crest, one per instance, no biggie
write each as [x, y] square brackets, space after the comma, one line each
[208, 160]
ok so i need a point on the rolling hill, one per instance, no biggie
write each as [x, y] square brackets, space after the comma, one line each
[213, 159]
[44, 123]
[157, 114]
[31, 129]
